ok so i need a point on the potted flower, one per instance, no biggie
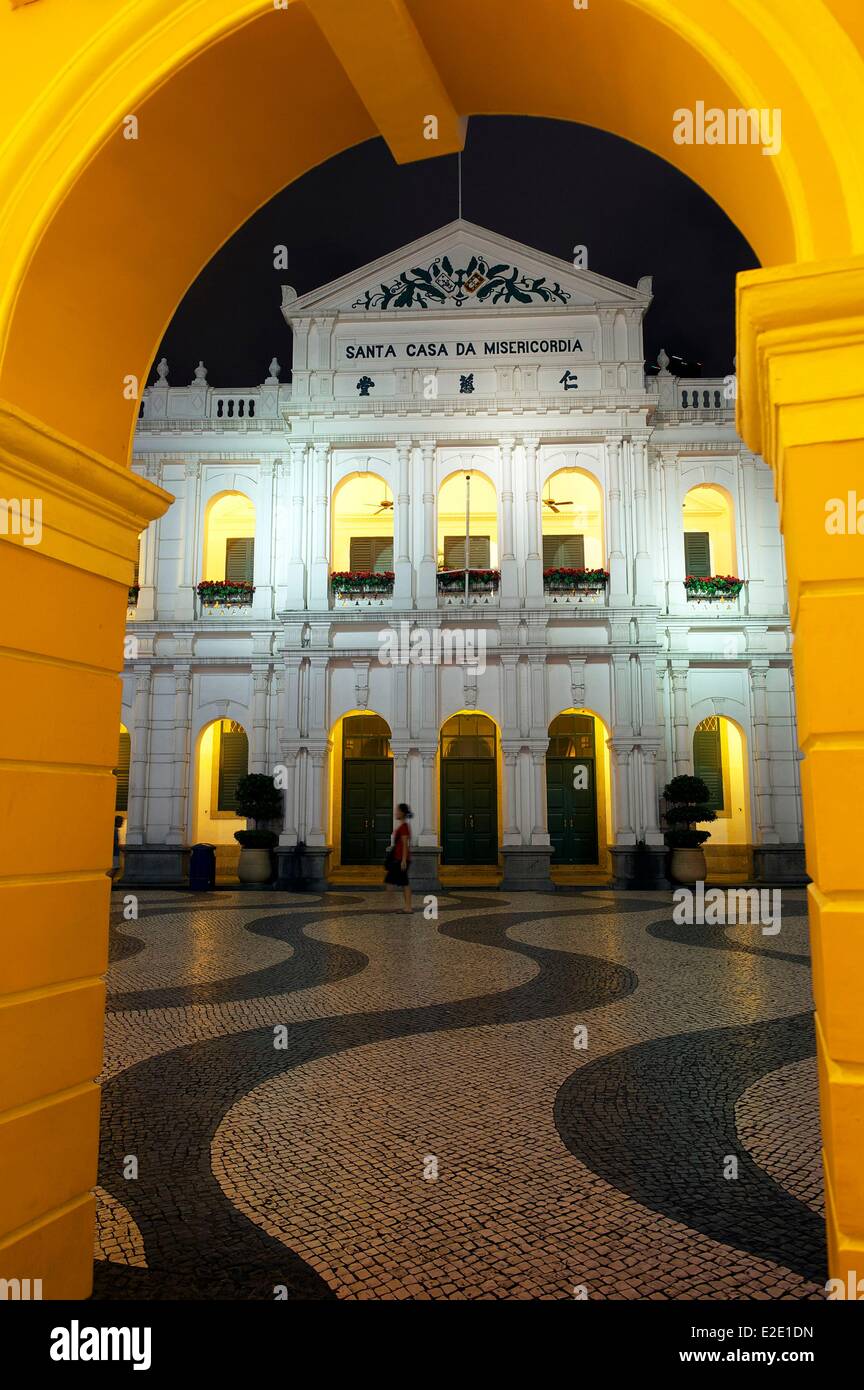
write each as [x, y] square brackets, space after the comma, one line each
[701, 588]
[479, 581]
[565, 579]
[259, 801]
[687, 807]
[362, 581]
[231, 592]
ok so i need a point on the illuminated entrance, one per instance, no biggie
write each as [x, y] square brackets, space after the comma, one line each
[367, 789]
[571, 789]
[469, 802]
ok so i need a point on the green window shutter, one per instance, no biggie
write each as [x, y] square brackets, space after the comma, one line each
[478, 553]
[233, 764]
[371, 553]
[382, 556]
[697, 554]
[708, 761]
[239, 559]
[564, 552]
[121, 772]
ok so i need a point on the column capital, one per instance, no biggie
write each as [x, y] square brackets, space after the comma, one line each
[807, 319]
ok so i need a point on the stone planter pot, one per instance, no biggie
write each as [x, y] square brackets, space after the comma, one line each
[255, 866]
[688, 865]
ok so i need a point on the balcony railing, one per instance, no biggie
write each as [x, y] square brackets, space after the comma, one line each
[481, 588]
[569, 587]
[362, 588]
[214, 594]
[227, 406]
[716, 588]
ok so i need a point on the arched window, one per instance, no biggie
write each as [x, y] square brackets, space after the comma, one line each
[362, 525]
[365, 736]
[468, 736]
[571, 736]
[709, 532]
[467, 522]
[121, 771]
[229, 538]
[572, 521]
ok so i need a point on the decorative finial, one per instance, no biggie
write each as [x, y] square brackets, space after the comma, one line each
[645, 284]
[162, 371]
[663, 362]
[289, 294]
[273, 378]
[200, 376]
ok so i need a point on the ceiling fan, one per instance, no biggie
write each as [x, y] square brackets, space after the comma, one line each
[385, 506]
[556, 506]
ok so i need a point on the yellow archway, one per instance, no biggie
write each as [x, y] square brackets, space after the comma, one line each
[113, 199]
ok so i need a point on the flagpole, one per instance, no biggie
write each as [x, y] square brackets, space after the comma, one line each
[467, 530]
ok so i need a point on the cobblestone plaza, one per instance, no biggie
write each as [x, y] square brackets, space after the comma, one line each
[533, 1096]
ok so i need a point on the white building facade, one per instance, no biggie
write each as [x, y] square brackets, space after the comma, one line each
[471, 558]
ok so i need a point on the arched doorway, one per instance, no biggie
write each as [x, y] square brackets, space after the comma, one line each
[469, 790]
[572, 521]
[571, 789]
[709, 532]
[467, 530]
[720, 759]
[362, 535]
[366, 788]
[221, 759]
[229, 539]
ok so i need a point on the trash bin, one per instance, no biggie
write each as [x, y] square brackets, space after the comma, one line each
[202, 868]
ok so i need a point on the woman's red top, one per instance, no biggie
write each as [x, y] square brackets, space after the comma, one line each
[402, 833]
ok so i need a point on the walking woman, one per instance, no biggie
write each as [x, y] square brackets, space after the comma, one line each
[399, 855]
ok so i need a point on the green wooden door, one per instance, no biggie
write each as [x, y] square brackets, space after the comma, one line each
[469, 811]
[367, 809]
[572, 810]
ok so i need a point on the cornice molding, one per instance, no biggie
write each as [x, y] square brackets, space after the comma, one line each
[800, 345]
[93, 510]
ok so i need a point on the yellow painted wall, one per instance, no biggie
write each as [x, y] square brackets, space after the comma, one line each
[211, 826]
[709, 508]
[483, 519]
[584, 517]
[230, 516]
[355, 503]
[733, 824]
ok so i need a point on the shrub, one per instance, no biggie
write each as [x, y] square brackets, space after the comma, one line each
[687, 808]
[256, 839]
[257, 798]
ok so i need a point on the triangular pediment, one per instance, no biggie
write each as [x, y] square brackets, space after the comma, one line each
[464, 267]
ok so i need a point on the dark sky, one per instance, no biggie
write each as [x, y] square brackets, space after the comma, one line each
[549, 184]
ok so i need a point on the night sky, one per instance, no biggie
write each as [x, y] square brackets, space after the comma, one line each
[549, 184]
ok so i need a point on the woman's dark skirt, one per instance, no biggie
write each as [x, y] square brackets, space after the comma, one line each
[397, 876]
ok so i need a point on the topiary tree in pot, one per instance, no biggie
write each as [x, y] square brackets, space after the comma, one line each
[259, 801]
[687, 806]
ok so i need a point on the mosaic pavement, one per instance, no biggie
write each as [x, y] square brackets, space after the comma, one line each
[325, 1099]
